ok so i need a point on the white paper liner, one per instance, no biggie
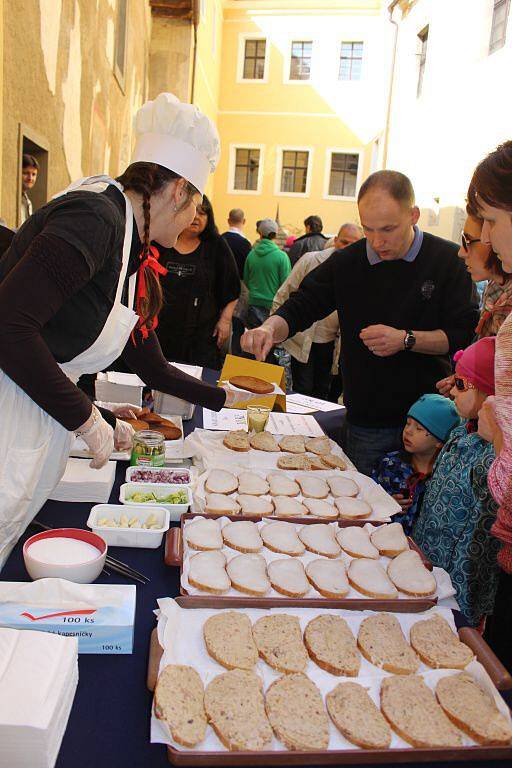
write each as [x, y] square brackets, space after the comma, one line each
[444, 590]
[383, 505]
[252, 395]
[180, 633]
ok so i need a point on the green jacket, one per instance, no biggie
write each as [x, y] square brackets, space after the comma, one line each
[266, 268]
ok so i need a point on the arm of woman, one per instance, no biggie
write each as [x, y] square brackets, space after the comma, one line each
[223, 326]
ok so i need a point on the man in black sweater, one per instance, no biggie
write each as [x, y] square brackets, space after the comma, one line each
[404, 301]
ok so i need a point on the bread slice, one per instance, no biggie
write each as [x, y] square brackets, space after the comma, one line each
[355, 541]
[313, 487]
[332, 646]
[370, 579]
[381, 640]
[293, 444]
[473, 710]
[278, 638]
[410, 708]
[228, 639]
[220, 481]
[252, 484]
[255, 505]
[280, 485]
[353, 509]
[328, 577]
[321, 508]
[248, 574]
[287, 577]
[281, 537]
[219, 504]
[317, 462]
[287, 507]
[320, 539]
[410, 576]
[356, 716]
[236, 711]
[291, 461]
[203, 535]
[318, 445]
[179, 696]
[296, 712]
[390, 539]
[343, 486]
[207, 572]
[252, 384]
[242, 536]
[263, 441]
[437, 645]
[333, 461]
[237, 440]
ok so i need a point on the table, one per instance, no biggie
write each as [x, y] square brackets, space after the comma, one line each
[109, 722]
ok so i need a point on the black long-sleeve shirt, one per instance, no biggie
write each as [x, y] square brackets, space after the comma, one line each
[430, 293]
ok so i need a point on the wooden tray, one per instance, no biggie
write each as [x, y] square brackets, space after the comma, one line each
[173, 556]
[494, 668]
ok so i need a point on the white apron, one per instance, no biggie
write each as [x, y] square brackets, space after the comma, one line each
[34, 448]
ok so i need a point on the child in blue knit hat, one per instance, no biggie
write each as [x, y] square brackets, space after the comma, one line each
[403, 474]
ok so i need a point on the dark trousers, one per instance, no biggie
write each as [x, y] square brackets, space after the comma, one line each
[256, 316]
[314, 377]
[498, 630]
[238, 330]
[365, 446]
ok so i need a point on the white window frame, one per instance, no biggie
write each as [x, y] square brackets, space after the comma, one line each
[241, 58]
[232, 166]
[279, 168]
[288, 62]
[363, 61]
[329, 152]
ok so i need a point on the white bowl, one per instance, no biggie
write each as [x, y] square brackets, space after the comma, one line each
[175, 510]
[185, 471]
[130, 537]
[79, 572]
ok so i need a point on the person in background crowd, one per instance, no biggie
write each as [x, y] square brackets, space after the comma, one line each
[312, 240]
[289, 242]
[200, 290]
[404, 302]
[453, 527]
[404, 474]
[29, 171]
[492, 181]
[313, 351]
[240, 247]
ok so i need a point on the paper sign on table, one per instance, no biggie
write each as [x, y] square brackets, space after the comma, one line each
[225, 420]
[294, 424]
[314, 403]
[273, 374]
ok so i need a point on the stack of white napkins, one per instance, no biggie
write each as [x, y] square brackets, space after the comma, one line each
[38, 679]
[81, 483]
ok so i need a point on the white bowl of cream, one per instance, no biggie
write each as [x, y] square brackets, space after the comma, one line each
[65, 553]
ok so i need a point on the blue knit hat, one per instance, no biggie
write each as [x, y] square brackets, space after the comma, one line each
[437, 414]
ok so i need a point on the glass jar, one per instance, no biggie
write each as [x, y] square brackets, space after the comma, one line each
[257, 418]
[148, 449]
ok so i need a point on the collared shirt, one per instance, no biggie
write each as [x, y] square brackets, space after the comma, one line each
[411, 254]
[237, 231]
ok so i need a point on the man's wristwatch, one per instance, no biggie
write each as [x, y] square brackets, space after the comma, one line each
[409, 340]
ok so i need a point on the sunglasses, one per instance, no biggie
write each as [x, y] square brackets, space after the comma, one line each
[467, 241]
[462, 384]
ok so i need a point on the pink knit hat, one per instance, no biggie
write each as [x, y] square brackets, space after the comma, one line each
[476, 363]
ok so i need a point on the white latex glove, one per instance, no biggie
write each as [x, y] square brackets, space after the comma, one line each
[123, 435]
[233, 397]
[121, 410]
[99, 438]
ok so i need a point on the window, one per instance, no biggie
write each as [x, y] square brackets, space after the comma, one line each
[254, 59]
[294, 171]
[343, 174]
[247, 166]
[300, 64]
[351, 61]
[120, 50]
[423, 38]
[499, 25]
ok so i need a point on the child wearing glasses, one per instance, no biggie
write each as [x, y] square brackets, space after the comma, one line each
[403, 474]
[453, 527]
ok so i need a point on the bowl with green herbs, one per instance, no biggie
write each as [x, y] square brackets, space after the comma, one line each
[175, 498]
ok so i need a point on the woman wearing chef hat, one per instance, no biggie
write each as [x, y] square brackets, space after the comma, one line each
[78, 288]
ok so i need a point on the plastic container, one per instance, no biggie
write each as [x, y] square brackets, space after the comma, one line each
[185, 473]
[130, 537]
[175, 510]
[148, 449]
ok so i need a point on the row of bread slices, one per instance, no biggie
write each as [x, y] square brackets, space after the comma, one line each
[277, 484]
[252, 575]
[242, 441]
[292, 708]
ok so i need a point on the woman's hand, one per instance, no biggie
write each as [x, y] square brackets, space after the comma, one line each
[123, 436]
[487, 425]
[444, 386]
[99, 438]
[405, 503]
[222, 331]
[121, 410]
[234, 397]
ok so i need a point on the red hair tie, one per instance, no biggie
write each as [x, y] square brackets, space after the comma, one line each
[151, 261]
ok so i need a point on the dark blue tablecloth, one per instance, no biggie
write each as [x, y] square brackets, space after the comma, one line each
[109, 722]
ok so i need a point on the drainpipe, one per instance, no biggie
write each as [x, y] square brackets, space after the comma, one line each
[391, 8]
[195, 22]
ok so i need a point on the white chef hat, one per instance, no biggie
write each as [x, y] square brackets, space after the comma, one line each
[177, 136]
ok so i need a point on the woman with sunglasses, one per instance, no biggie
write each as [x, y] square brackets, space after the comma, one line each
[201, 289]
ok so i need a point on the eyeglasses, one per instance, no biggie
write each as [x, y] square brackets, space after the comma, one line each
[466, 241]
[462, 384]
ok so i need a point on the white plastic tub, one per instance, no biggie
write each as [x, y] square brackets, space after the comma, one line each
[130, 537]
[154, 470]
[175, 510]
